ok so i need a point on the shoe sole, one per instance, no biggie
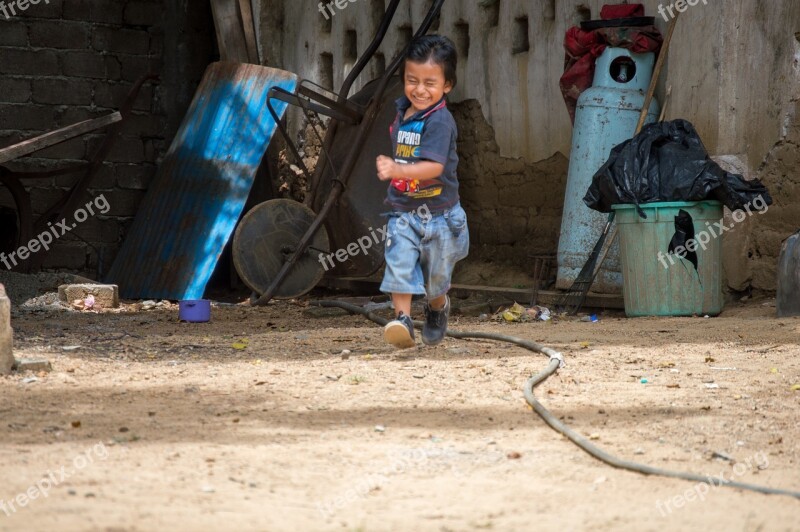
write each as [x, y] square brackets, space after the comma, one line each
[397, 335]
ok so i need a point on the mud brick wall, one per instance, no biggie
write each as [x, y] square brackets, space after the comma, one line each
[72, 60]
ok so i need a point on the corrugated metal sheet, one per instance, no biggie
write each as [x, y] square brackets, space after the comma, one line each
[192, 207]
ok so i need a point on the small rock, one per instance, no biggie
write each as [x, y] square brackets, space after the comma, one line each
[639, 451]
[208, 489]
[514, 455]
[380, 428]
[76, 424]
[28, 380]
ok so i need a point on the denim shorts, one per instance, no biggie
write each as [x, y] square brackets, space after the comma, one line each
[422, 249]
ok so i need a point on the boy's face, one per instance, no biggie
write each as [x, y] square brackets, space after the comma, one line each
[425, 84]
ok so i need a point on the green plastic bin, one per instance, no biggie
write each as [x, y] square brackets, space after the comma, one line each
[656, 283]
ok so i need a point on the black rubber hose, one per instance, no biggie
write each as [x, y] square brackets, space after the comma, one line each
[556, 362]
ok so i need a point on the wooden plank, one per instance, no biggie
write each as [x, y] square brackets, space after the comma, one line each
[230, 36]
[56, 137]
[246, 11]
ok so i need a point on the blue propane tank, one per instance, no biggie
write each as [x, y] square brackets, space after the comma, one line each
[789, 278]
[606, 116]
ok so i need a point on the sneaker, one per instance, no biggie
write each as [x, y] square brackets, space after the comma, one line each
[435, 324]
[400, 332]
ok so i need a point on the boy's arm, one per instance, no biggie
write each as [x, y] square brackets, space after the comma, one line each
[421, 171]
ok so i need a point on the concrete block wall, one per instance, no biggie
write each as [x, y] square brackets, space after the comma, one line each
[72, 60]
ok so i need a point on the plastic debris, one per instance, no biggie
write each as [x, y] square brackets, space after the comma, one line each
[240, 344]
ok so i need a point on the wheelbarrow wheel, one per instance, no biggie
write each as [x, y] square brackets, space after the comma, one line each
[267, 237]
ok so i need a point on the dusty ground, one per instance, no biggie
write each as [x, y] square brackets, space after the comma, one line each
[156, 425]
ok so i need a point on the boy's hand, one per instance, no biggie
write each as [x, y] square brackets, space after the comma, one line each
[387, 168]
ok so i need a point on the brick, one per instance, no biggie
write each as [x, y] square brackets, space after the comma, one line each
[135, 176]
[6, 334]
[32, 62]
[105, 295]
[62, 92]
[32, 364]
[113, 68]
[139, 125]
[61, 34]
[51, 9]
[124, 202]
[44, 198]
[66, 116]
[15, 90]
[13, 33]
[135, 66]
[124, 41]
[67, 256]
[78, 10]
[94, 229]
[26, 117]
[144, 13]
[127, 150]
[103, 178]
[113, 95]
[84, 65]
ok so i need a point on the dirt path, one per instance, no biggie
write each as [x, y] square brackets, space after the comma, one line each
[158, 425]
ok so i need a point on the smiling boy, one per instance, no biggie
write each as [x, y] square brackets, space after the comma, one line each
[422, 251]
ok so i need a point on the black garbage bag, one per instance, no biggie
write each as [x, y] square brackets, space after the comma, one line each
[667, 161]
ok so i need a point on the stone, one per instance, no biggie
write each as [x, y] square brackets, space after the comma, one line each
[6, 334]
[105, 295]
[33, 364]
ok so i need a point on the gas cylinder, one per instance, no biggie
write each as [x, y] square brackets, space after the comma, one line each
[789, 278]
[606, 115]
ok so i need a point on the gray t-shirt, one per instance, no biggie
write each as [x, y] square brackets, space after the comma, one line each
[428, 135]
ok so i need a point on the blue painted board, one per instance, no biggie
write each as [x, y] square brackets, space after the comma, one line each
[197, 197]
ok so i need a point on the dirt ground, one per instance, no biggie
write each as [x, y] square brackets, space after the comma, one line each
[278, 418]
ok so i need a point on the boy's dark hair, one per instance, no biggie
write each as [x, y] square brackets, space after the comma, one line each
[436, 48]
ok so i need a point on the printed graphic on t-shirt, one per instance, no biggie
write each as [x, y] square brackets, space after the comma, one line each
[409, 138]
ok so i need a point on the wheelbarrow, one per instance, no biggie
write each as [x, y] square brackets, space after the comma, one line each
[282, 248]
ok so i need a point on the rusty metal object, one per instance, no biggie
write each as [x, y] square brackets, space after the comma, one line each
[267, 235]
[197, 197]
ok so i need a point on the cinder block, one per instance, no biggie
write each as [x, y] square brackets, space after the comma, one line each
[15, 90]
[84, 65]
[62, 92]
[105, 295]
[144, 13]
[124, 41]
[13, 34]
[61, 34]
[33, 364]
[37, 63]
[6, 344]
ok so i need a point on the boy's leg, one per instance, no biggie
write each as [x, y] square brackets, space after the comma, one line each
[402, 278]
[402, 304]
[400, 331]
[438, 258]
[436, 303]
